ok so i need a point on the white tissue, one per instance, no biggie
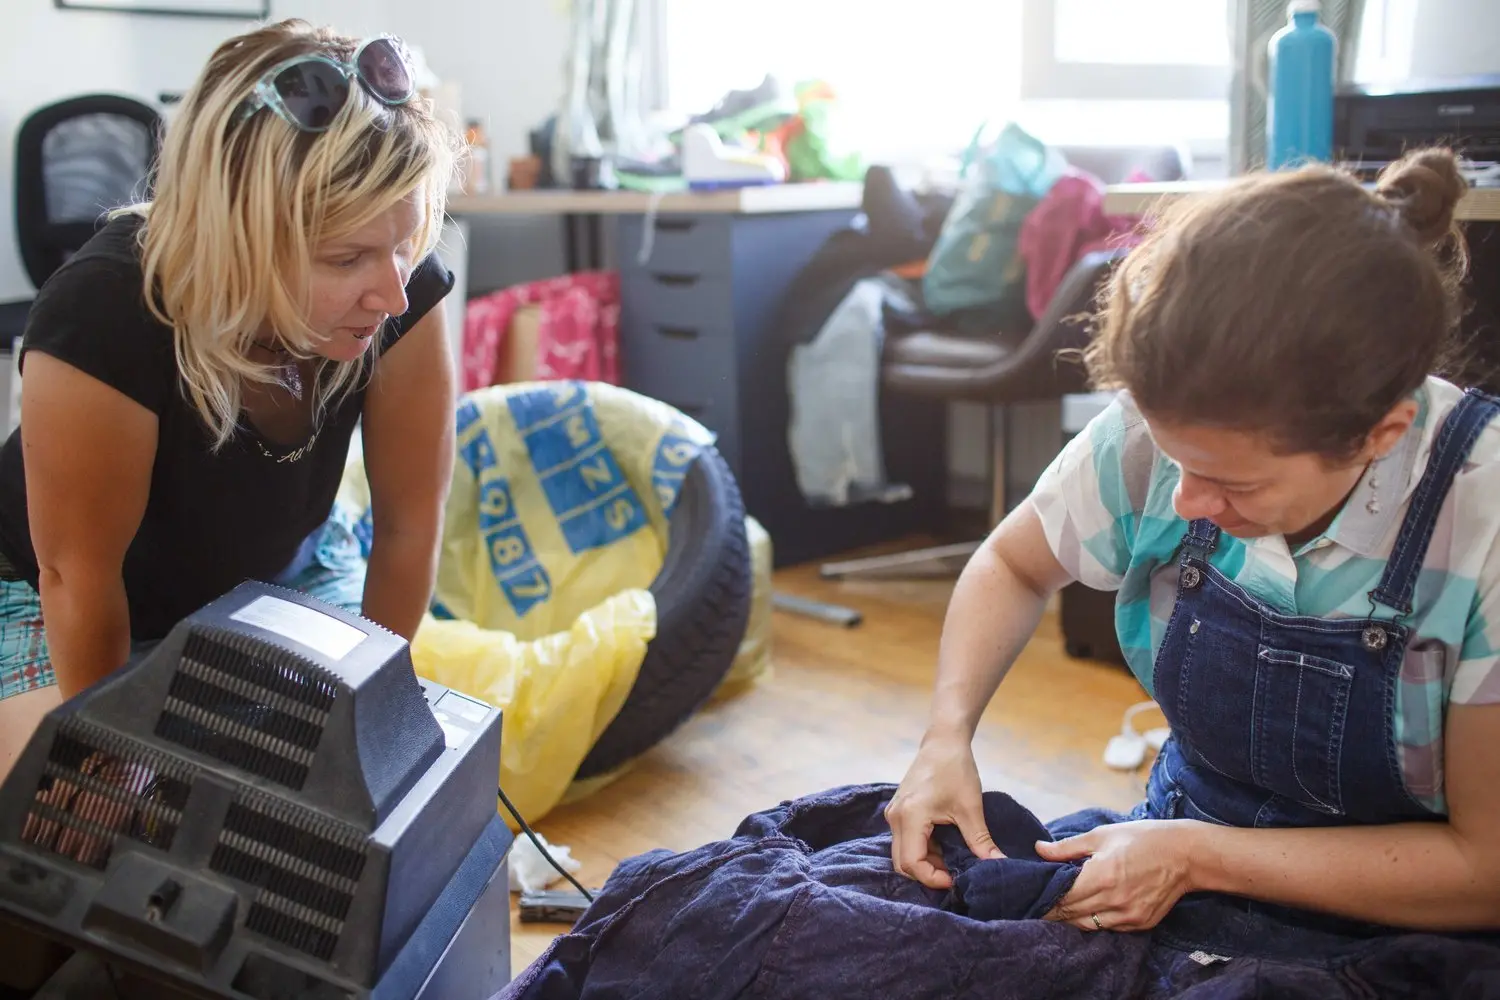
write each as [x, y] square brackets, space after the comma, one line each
[529, 871]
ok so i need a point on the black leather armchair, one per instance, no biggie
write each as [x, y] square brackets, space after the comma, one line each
[1008, 367]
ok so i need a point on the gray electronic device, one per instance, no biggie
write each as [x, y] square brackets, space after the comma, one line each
[267, 804]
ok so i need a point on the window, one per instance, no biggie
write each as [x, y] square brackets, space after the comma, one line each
[1164, 50]
[1117, 71]
[916, 80]
[1385, 41]
[909, 77]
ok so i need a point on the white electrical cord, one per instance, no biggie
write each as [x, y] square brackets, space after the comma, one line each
[648, 229]
[1127, 751]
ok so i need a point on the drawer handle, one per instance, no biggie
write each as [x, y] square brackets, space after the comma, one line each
[675, 225]
[676, 280]
[677, 332]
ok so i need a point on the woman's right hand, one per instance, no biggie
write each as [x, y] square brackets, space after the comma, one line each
[940, 788]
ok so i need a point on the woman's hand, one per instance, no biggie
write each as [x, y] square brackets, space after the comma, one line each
[940, 787]
[1135, 873]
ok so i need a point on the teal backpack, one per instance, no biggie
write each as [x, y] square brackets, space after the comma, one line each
[975, 264]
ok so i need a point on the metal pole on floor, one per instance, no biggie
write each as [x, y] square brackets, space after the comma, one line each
[833, 614]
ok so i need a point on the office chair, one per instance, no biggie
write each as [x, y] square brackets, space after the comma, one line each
[75, 160]
[1008, 367]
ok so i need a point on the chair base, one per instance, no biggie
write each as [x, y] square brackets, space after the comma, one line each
[937, 561]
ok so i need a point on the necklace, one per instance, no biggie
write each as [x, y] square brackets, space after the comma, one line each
[288, 369]
[288, 372]
[295, 455]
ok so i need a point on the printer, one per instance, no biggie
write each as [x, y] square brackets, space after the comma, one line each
[1375, 124]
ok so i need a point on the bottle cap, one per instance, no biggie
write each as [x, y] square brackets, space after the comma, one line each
[1303, 7]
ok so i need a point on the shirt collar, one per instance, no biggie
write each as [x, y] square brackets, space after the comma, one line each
[1370, 513]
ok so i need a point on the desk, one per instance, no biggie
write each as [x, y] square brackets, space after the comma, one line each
[703, 276]
[581, 210]
[767, 200]
[1479, 205]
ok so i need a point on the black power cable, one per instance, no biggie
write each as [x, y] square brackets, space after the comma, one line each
[550, 859]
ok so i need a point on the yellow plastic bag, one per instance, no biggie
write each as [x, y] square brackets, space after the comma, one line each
[753, 661]
[555, 526]
[557, 692]
[561, 498]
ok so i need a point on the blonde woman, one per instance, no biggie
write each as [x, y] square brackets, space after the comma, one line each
[193, 376]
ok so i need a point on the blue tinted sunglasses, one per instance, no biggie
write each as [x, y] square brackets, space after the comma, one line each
[309, 90]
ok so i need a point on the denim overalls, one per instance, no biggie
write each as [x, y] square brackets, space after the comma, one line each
[1283, 720]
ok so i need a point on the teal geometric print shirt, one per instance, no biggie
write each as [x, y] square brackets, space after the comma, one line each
[1106, 507]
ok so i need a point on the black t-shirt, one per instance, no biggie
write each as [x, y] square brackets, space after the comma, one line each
[213, 519]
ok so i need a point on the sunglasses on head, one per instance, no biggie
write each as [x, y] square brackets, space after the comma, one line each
[309, 90]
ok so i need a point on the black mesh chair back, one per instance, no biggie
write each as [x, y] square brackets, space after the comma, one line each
[76, 160]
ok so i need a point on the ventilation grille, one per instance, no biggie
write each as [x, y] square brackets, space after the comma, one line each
[247, 704]
[97, 787]
[305, 866]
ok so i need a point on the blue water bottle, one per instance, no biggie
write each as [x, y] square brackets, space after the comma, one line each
[1299, 107]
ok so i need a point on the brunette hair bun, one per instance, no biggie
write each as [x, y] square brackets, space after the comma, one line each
[1425, 187]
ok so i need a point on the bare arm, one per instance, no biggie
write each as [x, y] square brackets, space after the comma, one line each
[996, 605]
[408, 421]
[1431, 876]
[88, 451]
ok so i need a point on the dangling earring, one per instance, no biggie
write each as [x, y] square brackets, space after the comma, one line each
[1373, 504]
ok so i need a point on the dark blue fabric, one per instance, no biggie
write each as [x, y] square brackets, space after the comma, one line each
[802, 902]
[1021, 886]
[1287, 721]
[1277, 720]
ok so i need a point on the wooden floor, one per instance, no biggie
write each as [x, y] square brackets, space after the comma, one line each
[846, 706]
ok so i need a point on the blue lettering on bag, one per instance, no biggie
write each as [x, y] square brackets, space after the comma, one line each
[513, 563]
[593, 502]
[674, 454]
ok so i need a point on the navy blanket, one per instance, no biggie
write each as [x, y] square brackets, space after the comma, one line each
[802, 902]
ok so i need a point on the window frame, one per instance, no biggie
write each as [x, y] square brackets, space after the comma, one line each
[1044, 77]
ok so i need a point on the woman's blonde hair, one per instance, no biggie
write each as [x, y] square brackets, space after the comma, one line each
[239, 205]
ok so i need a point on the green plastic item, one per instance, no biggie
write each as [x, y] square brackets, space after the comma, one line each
[812, 152]
[652, 184]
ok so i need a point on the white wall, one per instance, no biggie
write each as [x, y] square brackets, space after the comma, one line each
[49, 54]
[1455, 38]
[1429, 39]
[507, 55]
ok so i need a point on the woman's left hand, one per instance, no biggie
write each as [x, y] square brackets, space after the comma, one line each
[1134, 875]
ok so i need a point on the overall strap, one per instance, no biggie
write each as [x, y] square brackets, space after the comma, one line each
[1449, 452]
[1201, 539]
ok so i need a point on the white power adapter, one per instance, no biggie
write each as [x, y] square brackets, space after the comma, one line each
[1127, 751]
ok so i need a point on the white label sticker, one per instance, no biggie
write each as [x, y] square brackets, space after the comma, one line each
[313, 629]
[452, 735]
[465, 708]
